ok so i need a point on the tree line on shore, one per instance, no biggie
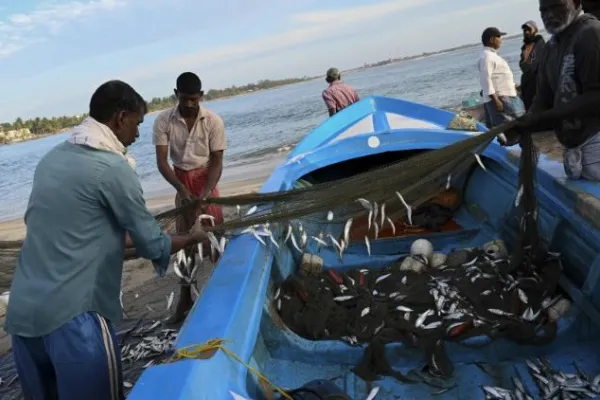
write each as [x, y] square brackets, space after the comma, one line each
[44, 126]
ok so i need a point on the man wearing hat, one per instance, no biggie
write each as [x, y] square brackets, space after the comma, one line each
[497, 81]
[338, 95]
[194, 137]
[531, 52]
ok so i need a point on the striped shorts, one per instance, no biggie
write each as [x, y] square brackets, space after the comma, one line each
[81, 360]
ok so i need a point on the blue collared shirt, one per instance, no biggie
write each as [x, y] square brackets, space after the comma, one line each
[82, 202]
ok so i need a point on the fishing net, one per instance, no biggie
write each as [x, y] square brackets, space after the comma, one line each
[474, 293]
[402, 185]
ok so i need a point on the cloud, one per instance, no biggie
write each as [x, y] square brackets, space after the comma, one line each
[21, 30]
[308, 27]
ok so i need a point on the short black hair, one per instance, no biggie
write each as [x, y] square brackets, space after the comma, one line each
[114, 96]
[189, 83]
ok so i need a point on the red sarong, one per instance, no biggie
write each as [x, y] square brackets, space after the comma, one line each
[195, 181]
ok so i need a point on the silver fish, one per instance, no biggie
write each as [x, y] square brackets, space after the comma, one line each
[238, 209]
[495, 311]
[433, 325]
[404, 309]
[121, 299]
[379, 328]
[486, 292]
[408, 208]
[329, 215]
[277, 293]
[382, 221]
[407, 316]
[303, 240]
[252, 210]
[347, 230]
[365, 311]
[365, 203]
[295, 244]
[519, 196]
[468, 264]
[200, 252]
[404, 280]
[478, 158]
[373, 393]
[376, 228]
[368, 244]
[319, 241]
[208, 217]
[448, 181]
[288, 233]
[375, 211]
[522, 296]
[382, 277]
[369, 220]
[394, 295]
[343, 298]
[421, 319]
[170, 298]
[388, 219]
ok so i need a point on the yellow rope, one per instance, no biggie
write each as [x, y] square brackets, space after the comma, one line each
[196, 350]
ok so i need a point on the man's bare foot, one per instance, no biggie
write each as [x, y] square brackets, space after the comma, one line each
[184, 305]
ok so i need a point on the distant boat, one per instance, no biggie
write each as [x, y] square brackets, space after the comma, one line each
[237, 302]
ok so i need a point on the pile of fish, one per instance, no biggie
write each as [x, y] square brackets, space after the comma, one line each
[552, 384]
[152, 345]
[468, 293]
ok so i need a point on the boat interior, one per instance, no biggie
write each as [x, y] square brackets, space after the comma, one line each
[237, 304]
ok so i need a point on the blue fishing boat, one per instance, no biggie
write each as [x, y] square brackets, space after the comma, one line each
[236, 304]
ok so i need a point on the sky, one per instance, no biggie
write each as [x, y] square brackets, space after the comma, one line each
[54, 53]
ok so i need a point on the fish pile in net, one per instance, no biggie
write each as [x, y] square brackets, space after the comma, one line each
[551, 383]
[474, 292]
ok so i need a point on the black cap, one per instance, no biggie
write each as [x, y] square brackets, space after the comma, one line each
[489, 33]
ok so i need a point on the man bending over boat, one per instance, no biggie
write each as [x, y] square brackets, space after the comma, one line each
[569, 81]
[497, 81]
[64, 296]
[338, 95]
[195, 139]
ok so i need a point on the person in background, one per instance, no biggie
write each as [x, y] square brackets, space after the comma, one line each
[194, 137]
[86, 205]
[531, 51]
[569, 81]
[338, 95]
[497, 81]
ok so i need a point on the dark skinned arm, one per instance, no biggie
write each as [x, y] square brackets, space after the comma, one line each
[165, 169]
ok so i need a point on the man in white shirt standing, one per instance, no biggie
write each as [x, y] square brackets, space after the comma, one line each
[497, 81]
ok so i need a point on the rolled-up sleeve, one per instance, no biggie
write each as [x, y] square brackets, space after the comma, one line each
[160, 134]
[217, 139]
[120, 191]
[486, 68]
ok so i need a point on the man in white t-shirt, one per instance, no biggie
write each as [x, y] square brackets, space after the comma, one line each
[497, 81]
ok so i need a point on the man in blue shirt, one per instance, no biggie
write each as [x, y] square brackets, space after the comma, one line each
[85, 200]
